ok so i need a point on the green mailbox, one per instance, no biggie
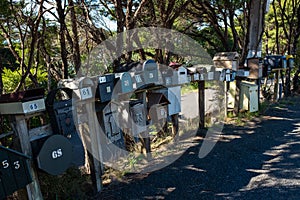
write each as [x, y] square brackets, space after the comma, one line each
[14, 171]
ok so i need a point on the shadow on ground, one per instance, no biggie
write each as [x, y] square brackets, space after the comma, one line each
[260, 160]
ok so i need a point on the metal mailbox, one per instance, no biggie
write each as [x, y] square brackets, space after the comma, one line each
[290, 61]
[133, 116]
[150, 71]
[173, 94]
[108, 120]
[105, 87]
[180, 76]
[82, 87]
[255, 68]
[157, 106]
[24, 102]
[275, 61]
[14, 171]
[62, 121]
[167, 76]
[249, 97]
[138, 79]
[124, 82]
[53, 154]
[228, 60]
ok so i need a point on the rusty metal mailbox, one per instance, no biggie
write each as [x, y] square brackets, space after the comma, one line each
[105, 87]
[14, 171]
[150, 71]
[124, 82]
[60, 111]
[255, 68]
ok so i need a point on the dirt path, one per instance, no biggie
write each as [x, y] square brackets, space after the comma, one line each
[257, 161]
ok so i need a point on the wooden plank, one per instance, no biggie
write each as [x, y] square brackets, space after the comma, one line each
[3, 135]
[33, 189]
[40, 132]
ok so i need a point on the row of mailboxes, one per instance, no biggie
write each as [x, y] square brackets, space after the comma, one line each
[14, 171]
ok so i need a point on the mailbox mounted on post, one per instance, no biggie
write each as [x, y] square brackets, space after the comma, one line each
[150, 72]
[275, 61]
[25, 102]
[228, 60]
[53, 154]
[105, 87]
[62, 121]
[157, 106]
[173, 94]
[108, 119]
[14, 171]
[290, 61]
[255, 68]
[181, 76]
[133, 116]
[124, 82]
[82, 87]
[167, 75]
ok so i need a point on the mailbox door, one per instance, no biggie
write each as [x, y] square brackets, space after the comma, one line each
[138, 115]
[174, 96]
[55, 156]
[124, 84]
[113, 132]
[253, 99]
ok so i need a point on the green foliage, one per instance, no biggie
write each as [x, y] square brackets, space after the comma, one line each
[12, 78]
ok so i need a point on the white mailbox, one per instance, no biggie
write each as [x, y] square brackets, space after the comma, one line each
[82, 87]
[249, 97]
[180, 76]
[173, 94]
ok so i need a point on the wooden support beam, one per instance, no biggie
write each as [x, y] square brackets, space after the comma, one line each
[201, 93]
[33, 189]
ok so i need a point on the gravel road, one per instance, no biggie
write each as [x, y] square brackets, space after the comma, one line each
[258, 161]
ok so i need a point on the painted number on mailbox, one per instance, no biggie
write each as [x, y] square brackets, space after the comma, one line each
[86, 93]
[33, 107]
[57, 153]
[6, 164]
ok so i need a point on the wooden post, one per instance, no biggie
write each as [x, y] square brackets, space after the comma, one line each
[276, 88]
[226, 89]
[33, 189]
[94, 131]
[201, 93]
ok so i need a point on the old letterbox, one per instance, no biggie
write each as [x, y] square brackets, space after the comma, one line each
[105, 87]
[157, 106]
[150, 71]
[133, 116]
[228, 60]
[182, 75]
[24, 102]
[173, 94]
[108, 119]
[274, 61]
[82, 87]
[53, 154]
[249, 97]
[124, 82]
[255, 68]
[14, 171]
[290, 61]
[167, 75]
[60, 111]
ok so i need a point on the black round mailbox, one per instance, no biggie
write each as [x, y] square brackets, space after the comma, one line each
[55, 155]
